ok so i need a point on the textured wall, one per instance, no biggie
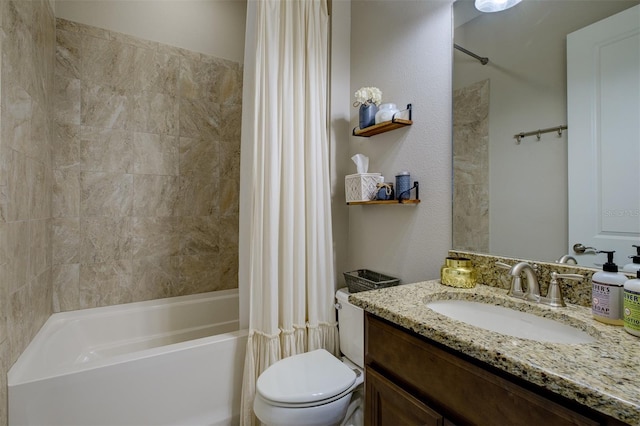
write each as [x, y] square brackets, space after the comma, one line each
[27, 46]
[404, 48]
[146, 166]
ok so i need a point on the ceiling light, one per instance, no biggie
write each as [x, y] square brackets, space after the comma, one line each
[495, 5]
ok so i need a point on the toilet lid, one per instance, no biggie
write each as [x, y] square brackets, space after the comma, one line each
[304, 378]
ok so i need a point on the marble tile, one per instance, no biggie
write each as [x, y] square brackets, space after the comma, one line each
[199, 235]
[108, 63]
[16, 117]
[86, 30]
[229, 83]
[228, 264]
[68, 99]
[153, 113]
[101, 284]
[155, 236]
[65, 241]
[38, 181]
[66, 193]
[17, 185]
[40, 302]
[471, 166]
[229, 163]
[156, 72]
[66, 147]
[39, 248]
[19, 318]
[230, 122]
[106, 150]
[106, 194]
[4, 366]
[197, 195]
[103, 106]
[155, 195]
[199, 273]
[20, 52]
[39, 146]
[228, 201]
[104, 239]
[155, 154]
[68, 54]
[156, 277]
[199, 119]
[133, 41]
[66, 287]
[199, 156]
[198, 79]
[17, 251]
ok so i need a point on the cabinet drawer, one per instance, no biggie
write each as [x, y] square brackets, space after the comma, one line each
[464, 392]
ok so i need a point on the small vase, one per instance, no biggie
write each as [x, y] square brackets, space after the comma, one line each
[386, 112]
[368, 115]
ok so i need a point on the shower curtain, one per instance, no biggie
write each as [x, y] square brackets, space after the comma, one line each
[290, 251]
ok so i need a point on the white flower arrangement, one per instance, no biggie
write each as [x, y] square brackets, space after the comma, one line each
[367, 96]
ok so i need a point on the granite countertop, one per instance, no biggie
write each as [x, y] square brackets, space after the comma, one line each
[603, 375]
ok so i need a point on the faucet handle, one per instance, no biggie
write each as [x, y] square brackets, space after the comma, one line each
[503, 265]
[554, 295]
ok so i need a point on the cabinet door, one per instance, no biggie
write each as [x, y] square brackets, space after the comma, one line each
[388, 404]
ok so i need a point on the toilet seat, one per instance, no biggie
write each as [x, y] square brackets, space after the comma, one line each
[304, 380]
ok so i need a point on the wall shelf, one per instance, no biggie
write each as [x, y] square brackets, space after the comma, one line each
[396, 202]
[385, 126]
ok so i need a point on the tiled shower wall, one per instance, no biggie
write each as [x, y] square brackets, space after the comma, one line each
[146, 169]
[27, 49]
[471, 167]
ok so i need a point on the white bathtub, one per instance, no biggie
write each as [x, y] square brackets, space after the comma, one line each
[175, 361]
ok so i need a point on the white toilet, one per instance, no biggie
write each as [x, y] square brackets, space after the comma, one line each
[315, 388]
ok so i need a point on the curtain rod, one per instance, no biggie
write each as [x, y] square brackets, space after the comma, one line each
[483, 60]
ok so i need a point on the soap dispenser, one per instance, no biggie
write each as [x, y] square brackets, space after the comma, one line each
[607, 293]
[634, 266]
[632, 305]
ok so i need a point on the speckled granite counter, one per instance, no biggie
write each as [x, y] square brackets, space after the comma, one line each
[604, 375]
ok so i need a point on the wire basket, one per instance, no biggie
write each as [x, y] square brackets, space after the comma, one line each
[364, 279]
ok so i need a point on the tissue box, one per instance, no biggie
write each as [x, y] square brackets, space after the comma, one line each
[361, 186]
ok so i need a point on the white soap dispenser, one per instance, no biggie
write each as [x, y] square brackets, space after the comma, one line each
[607, 293]
[634, 266]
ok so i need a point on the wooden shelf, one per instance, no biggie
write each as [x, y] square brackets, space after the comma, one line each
[396, 202]
[386, 126]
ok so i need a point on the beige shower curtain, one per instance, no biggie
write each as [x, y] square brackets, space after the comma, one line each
[291, 261]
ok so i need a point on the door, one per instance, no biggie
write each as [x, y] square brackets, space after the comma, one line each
[603, 101]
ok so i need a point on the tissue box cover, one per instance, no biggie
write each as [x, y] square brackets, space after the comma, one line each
[361, 186]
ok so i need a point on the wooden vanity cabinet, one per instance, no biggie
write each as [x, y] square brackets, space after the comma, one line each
[411, 380]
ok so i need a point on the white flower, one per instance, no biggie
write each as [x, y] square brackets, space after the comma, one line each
[368, 95]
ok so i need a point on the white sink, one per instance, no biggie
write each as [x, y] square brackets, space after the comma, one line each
[510, 322]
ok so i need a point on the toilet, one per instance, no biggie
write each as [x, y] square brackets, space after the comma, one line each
[315, 388]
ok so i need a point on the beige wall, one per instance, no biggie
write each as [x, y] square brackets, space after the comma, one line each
[146, 169]
[27, 46]
[404, 48]
[190, 24]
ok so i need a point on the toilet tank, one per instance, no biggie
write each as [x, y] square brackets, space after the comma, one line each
[351, 328]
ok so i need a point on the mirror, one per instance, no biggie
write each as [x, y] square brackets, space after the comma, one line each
[510, 198]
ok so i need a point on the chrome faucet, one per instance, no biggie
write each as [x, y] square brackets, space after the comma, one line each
[533, 288]
[567, 259]
[516, 289]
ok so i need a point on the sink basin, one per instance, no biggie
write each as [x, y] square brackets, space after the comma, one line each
[510, 322]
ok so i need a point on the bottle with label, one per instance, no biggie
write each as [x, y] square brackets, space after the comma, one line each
[634, 266]
[607, 293]
[632, 305]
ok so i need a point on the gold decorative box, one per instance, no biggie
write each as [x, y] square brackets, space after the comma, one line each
[458, 272]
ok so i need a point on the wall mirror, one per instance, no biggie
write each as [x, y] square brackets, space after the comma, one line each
[510, 197]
